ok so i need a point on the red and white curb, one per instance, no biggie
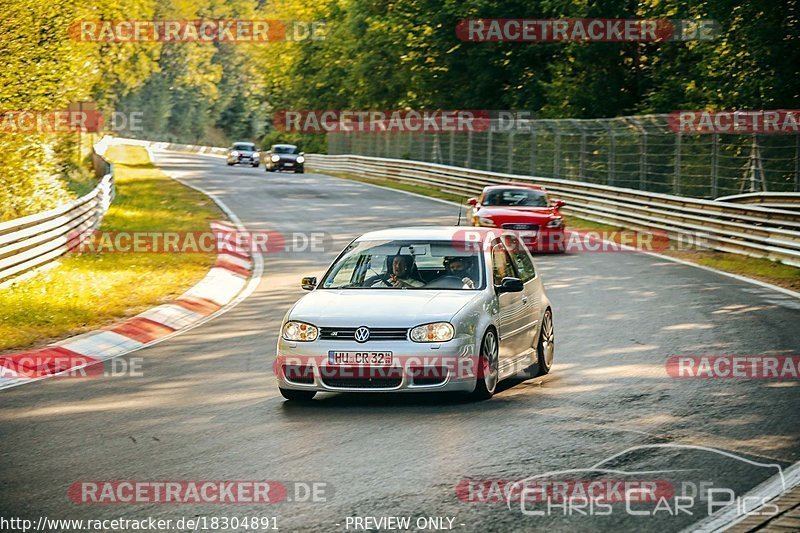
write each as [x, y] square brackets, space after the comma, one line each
[233, 277]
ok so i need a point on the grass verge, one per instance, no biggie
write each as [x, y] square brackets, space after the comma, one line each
[86, 291]
[761, 269]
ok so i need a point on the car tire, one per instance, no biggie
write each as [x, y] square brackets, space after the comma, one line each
[231, 164]
[269, 169]
[487, 371]
[255, 165]
[298, 395]
[299, 172]
[545, 347]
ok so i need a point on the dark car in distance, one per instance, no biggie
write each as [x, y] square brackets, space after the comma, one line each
[243, 153]
[284, 157]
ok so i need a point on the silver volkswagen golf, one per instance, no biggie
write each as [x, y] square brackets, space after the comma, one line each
[418, 309]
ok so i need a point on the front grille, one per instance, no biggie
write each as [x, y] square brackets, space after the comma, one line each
[521, 227]
[375, 334]
[362, 383]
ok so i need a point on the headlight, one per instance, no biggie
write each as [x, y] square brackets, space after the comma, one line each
[483, 221]
[255, 155]
[300, 331]
[235, 153]
[556, 223]
[275, 158]
[301, 159]
[436, 332]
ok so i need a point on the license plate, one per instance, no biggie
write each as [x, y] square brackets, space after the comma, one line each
[289, 164]
[360, 358]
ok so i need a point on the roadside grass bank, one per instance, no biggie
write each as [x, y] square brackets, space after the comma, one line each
[779, 274]
[83, 292]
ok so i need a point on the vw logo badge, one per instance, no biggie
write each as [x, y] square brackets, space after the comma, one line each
[362, 334]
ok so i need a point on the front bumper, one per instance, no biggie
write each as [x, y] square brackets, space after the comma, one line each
[417, 367]
[286, 165]
[243, 160]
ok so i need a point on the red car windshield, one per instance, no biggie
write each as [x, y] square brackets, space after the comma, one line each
[516, 198]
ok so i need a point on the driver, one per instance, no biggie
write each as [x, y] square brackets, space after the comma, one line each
[402, 272]
[459, 266]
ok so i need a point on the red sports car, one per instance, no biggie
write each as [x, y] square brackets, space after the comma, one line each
[525, 209]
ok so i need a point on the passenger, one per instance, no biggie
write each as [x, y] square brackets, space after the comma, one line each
[460, 267]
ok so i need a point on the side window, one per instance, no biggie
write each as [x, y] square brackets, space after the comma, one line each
[501, 264]
[521, 258]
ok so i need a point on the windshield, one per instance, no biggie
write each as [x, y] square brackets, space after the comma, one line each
[516, 198]
[407, 265]
[284, 149]
[247, 147]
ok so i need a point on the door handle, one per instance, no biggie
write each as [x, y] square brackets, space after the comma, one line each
[524, 299]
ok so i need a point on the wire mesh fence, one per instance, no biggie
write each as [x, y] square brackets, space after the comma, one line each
[640, 152]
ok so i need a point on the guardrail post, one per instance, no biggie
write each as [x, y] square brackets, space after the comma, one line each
[643, 160]
[611, 152]
[510, 166]
[582, 163]
[533, 148]
[676, 187]
[452, 146]
[469, 149]
[436, 154]
[489, 149]
[714, 163]
[557, 155]
[797, 163]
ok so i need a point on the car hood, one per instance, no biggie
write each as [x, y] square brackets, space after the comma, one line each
[379, 307]
[288, 157]
[247, 153]
[518, 213]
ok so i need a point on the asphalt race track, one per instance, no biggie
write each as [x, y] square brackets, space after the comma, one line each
[206, 407]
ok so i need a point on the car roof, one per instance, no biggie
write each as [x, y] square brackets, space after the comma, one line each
[284, 145]
[433, 233]
[516, 186]
[244, 142]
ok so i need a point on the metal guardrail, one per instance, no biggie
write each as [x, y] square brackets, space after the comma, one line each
[175, 147]
[777, 200]
[750, 230]
[34, 240]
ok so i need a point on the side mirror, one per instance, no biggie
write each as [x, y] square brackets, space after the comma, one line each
[472, 201]
[309, 283]
[558, 204]
[302, 153]
[510, 285]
